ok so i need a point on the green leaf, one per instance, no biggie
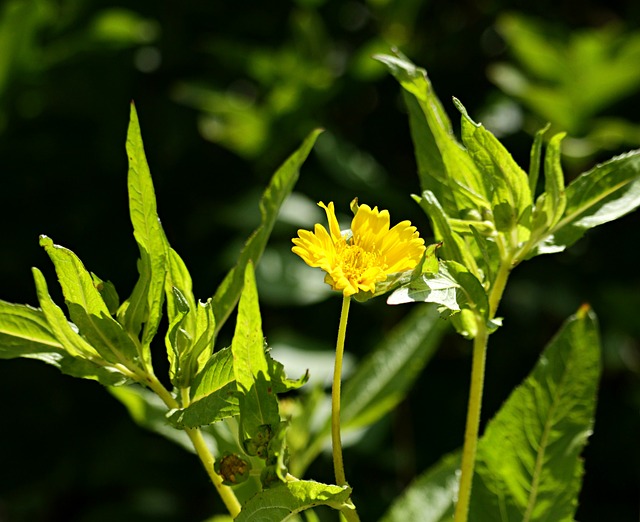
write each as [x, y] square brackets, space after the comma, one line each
[145, 304]
[278, 376]
[25, 332]
[605, 193]
[279, 188]
[258, 403]
[429, 498]
[87, 309]
[554, 181]
[278, 503]
[528, 464]
[535, 159]
[214, 394]
[108, 292]
[454, 246]
[508, 184]
[444, 167]
[455, 289]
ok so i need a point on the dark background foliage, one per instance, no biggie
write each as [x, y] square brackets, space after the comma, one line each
[224, 91]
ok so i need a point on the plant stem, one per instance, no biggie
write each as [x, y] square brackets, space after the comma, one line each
[498, 286]
[195, 435]
[473, 421]
[349, 513]
[226, 493]
[336, 442]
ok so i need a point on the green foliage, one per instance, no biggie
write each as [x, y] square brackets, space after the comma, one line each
[569, 80]
[283, 501]
[481, 203]
[487, 217]
[528, 461]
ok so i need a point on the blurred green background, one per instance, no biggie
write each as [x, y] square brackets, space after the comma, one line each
[224, 91]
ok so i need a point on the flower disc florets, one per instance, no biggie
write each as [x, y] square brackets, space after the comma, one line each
[368, 254]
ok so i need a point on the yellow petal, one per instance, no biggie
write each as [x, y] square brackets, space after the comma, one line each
[334, 227]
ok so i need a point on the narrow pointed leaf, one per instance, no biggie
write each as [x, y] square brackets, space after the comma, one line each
[87, 309]
[25, 332]
[511, 199]
[536, 160]
[444, 167]
[608, 191]
[258, 403]
[145, 304]
[528, 464]
[279, 188]
[278, 503]
[554, 181]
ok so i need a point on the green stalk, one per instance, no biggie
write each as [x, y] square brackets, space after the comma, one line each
[349, 511]
[475, 392]
[195, 435]
[473, 422]
[226, 493]
[336, 441]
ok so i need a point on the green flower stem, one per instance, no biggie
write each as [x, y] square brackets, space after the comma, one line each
[336, 441]
[473, 422]
[195, 435]
[349, 512]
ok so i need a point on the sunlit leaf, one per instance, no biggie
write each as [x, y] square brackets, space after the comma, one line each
[25, 332]
[528, 465]
[284, 500]
[279, 188]
[444, 167]
[605, 193]
[214, 394]
[258, 403]
[144, 307]
[87, 309]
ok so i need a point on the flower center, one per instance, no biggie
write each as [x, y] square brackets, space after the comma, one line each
[355, 260]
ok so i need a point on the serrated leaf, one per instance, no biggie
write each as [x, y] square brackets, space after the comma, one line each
[258, 403]
[278, 503]
[87, 309]
[608, 191]
[444, 167]
[511, 199]
[528, 458]
[25, 332]
[429, 498]
[279, 188]
[214, 394]
[528, 464]
[145, 304]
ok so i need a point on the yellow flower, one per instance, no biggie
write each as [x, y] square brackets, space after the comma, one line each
[356, 261]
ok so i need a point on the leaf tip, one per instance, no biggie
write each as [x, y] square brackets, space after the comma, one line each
[45, 241]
